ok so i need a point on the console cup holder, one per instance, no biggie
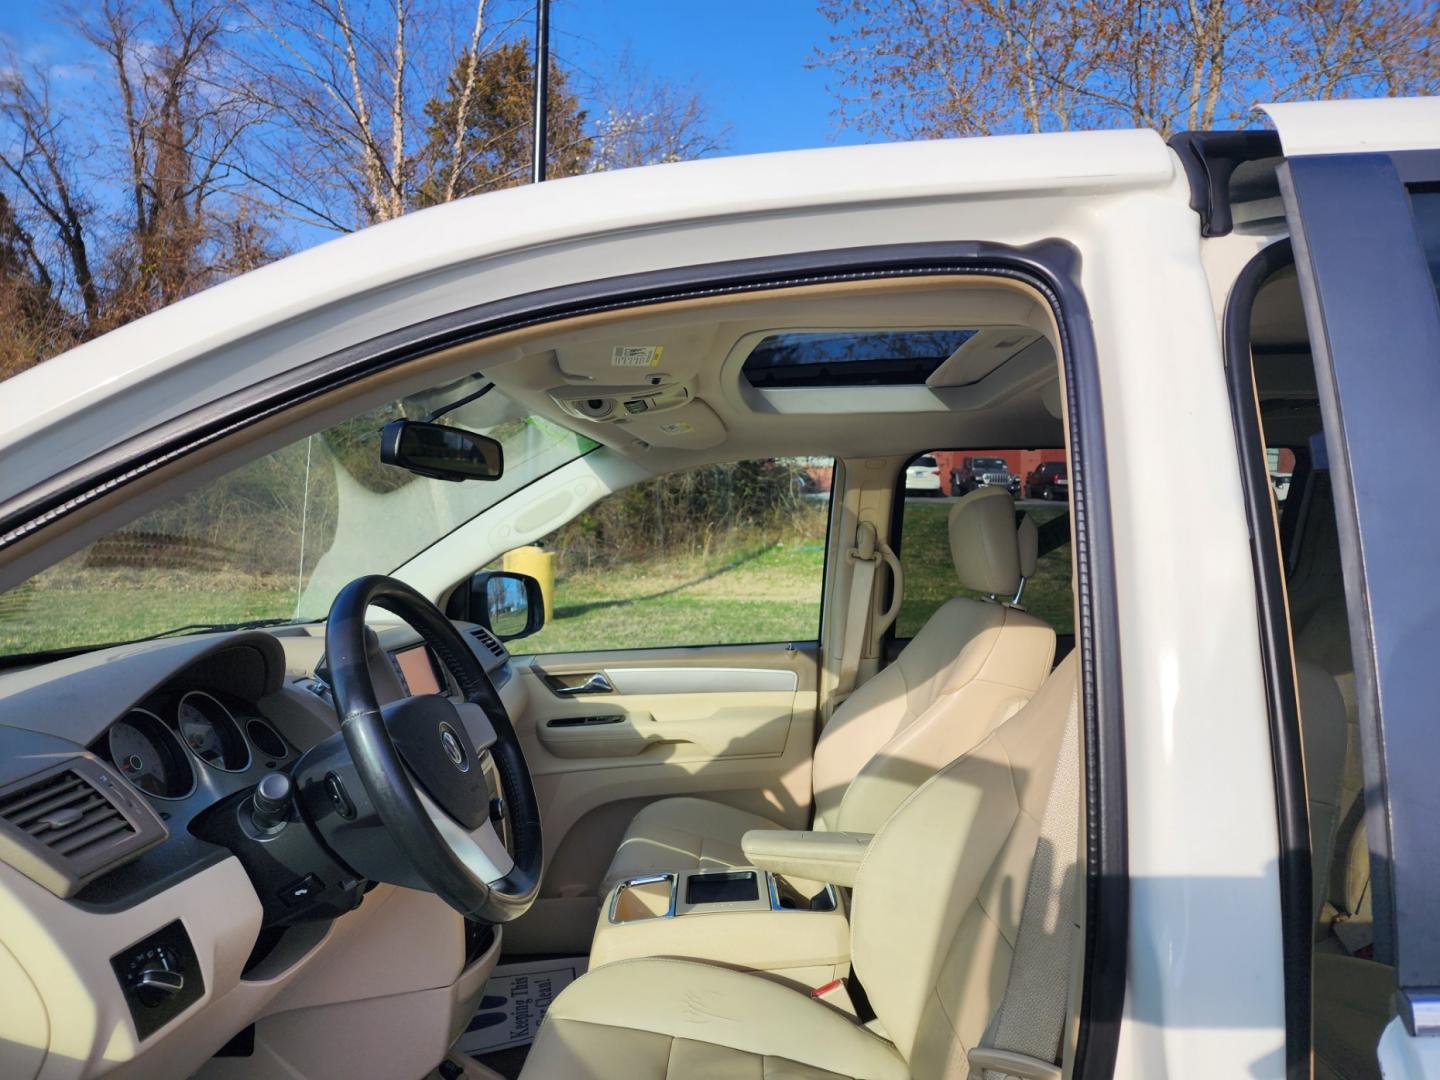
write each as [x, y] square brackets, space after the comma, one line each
[651, 897]
[684, 892]
[797, 894]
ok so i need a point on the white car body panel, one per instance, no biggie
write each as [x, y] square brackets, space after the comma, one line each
[524, 239]
[1356, 127]
[1206, 994]
[1202, 870]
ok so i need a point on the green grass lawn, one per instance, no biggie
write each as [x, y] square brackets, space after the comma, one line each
[930, 575]
[69, 606]
[763, 593]
[739, 590]
[751, 593]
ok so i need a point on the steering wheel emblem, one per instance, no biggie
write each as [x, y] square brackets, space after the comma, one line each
[453, 747]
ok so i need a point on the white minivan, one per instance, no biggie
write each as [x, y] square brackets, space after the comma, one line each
[528, 587]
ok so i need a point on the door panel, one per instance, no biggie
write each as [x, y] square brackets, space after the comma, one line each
[1371, 305]
[731, 723]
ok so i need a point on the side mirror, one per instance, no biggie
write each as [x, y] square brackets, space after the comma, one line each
[508, 605]
[440, 452]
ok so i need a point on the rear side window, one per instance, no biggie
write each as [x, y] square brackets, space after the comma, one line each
[1035, 478]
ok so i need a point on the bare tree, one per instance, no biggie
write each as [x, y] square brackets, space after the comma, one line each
[120, 212]
[199, 129]
[925, 68]
[648, 121]
[38, 158]
[345, 84]
[179, 132]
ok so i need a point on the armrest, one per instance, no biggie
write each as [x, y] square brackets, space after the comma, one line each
[832, 857]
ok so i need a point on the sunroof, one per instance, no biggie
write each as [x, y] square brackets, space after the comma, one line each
[850, 357]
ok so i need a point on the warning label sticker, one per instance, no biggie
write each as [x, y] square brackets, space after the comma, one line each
[636, 355]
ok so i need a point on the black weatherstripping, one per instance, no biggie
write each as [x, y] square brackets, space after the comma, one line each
[1050, 267]
[1291, 808]
[1224, 167]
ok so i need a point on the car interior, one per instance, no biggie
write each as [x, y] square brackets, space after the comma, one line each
[1352, 986]
[231, 844]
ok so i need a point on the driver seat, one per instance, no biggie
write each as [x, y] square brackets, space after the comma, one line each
[935, 919]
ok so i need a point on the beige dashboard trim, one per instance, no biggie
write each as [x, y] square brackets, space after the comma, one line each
[399, 946]
[65, 951]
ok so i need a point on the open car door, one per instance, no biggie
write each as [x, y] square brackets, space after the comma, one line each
[1365, 224]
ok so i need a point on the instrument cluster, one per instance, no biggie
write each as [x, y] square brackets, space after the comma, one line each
[165, 748]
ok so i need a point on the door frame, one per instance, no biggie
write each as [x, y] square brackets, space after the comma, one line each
[1374, 318]
[1051, 267]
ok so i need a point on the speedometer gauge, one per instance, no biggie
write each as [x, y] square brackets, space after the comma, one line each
[146, 753]
[211, 732]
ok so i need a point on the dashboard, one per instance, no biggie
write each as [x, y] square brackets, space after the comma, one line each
[132, 877]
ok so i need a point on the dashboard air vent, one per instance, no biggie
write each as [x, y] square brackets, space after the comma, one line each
[72, 823]
[489, 640]
[66, 814]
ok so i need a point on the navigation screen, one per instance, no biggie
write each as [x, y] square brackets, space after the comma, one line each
[417, 671]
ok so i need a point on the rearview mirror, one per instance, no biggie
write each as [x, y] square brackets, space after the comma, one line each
[508, 605]
[440, 452]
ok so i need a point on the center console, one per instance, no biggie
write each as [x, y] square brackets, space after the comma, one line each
[748, 918]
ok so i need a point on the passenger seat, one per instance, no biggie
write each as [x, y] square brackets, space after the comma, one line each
[971, 667]
[1352, 993]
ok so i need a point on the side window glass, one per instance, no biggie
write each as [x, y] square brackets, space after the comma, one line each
[935, 482]
[718, 555]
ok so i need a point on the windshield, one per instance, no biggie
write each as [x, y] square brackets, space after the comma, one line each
[989, 463]
[276, 539]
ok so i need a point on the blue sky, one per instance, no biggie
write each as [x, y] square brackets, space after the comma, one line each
[745, 57]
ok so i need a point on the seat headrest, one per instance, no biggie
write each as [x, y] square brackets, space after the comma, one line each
[984, 542]
[1028, 537]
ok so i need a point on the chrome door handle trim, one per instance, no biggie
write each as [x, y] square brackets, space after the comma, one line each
[595, 684]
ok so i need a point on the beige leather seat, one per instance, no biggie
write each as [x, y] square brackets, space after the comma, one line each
[935, 914]
[1353, 995]
[973, 664]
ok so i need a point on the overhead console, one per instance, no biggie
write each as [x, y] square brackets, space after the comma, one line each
[620, 402]
[648, 391]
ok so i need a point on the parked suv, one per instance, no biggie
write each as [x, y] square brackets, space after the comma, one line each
[978, 472]
[922, 476]
[1047, 481]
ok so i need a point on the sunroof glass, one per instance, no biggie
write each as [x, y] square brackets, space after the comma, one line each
[850, 358]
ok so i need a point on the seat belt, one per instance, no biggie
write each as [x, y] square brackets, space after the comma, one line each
[867, 554]
[1023, 1037]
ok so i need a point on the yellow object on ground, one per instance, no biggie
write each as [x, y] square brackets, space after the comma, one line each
[540, 565]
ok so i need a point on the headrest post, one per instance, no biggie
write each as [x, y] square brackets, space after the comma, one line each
[1015, 600]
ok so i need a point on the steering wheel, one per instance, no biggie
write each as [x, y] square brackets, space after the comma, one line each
[419, 760]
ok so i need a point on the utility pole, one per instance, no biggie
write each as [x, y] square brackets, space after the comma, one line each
[542, 87]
